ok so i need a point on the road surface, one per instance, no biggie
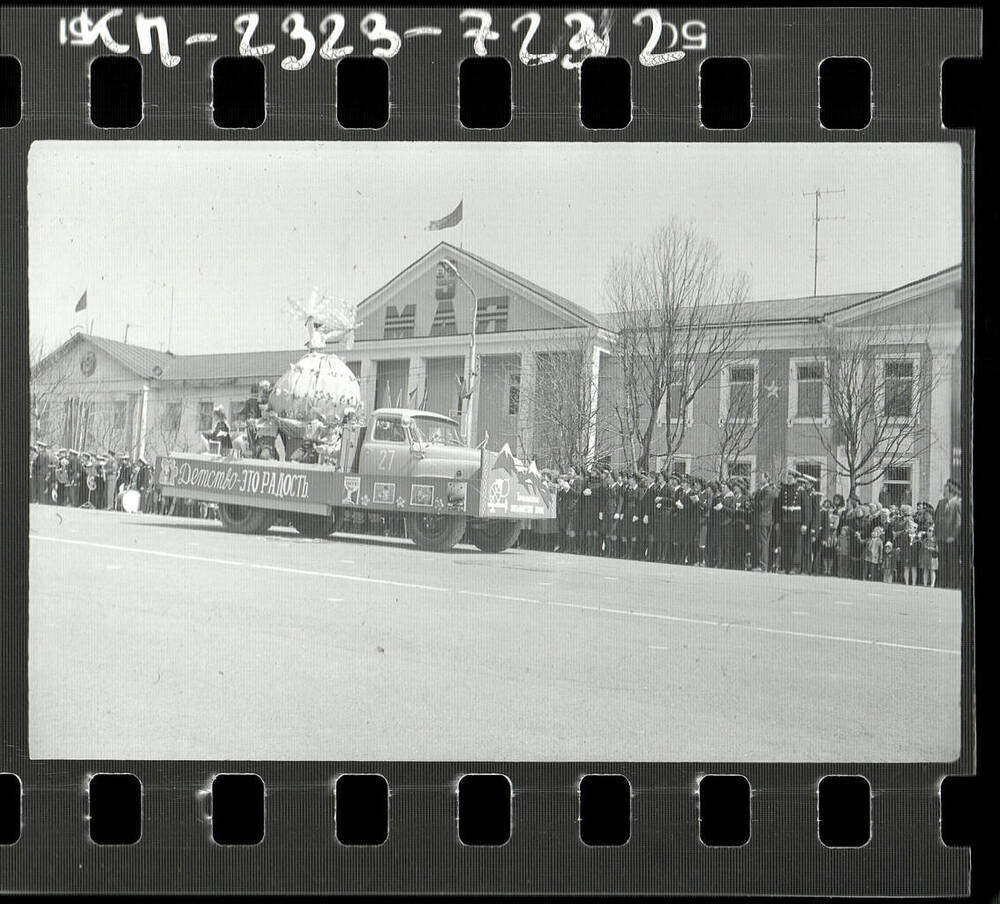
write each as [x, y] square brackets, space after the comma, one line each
[154, 637]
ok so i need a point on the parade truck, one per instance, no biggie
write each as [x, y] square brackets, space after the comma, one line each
[405, 461]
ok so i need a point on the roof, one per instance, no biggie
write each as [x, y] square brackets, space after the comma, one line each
[804, 307]
[571, 307]
[780, 310]
[140, 360]
[135, 357]
[557, 301]
[232, 365]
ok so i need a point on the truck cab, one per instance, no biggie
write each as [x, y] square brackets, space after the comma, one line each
[403, 442]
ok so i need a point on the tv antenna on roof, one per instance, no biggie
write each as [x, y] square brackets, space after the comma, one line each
[817, 193]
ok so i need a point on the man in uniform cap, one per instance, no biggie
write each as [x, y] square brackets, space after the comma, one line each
[763, 520]
[805, 503]
[77, 485]
[789, 526]
[110, 467]
[41, 487]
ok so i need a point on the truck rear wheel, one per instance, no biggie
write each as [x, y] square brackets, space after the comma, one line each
[317, 526]
[436, 533]
[244, 519]
[495, 536]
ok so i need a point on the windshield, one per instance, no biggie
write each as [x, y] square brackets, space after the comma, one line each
[434, 432]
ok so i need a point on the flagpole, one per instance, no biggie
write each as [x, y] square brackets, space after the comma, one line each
[461, 231]
[170, 325]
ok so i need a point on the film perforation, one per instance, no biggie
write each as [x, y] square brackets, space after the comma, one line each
[845, 93]
[238, 92]
[115, 92]
[488, 451]
[844, 811]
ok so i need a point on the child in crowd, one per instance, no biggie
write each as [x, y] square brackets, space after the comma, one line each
[888, 562]
[914, 546]
[873, 555]
[929, 559]
[843, 563]
[829, 533]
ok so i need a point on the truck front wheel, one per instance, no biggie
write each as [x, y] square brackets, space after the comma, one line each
[317, 526]
[495, 536]
[436, 533]
[244, 519]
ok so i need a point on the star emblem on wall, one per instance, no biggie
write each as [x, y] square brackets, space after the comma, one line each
[772, 390]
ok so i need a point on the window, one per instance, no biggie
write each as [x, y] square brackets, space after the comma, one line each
[896, 485]
[738, 396]
[444, 319]
[118, 415]
[899, 377]
[675, 392]
[172, 415]
[204, 416]
[680, 465]
[809, 386]
[399, 324]
[389, 430]
[514, 394]
[741, 380]
[491, 314]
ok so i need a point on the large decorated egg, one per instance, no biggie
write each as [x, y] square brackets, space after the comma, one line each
[317, 386]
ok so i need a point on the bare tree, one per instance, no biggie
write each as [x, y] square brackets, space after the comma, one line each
[559, 407]
[50, 390]
[678, 317]
[877, 396]
[166, 433]
[739, 424]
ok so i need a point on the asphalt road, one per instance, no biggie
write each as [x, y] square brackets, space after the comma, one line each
[157, 637]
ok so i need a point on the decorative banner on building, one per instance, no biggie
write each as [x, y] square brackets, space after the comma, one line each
[444, 287]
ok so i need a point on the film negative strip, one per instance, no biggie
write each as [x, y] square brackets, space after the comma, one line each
[485, 450]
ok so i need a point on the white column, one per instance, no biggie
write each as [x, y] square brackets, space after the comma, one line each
[142, 420]
[367, 381]
[594, 376]
[941, 439]
[526, 409]
[416, 382]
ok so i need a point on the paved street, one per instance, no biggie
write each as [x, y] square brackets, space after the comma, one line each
[165, 637]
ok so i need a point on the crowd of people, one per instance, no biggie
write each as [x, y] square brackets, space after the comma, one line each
[679, 519]
[67, 477]
[61, 476]
[785, 525]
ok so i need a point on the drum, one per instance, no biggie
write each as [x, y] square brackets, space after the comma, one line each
[131, 500]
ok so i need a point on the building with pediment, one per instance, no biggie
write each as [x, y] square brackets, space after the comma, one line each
[412, 350]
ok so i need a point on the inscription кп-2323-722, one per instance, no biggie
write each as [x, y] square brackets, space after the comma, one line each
[667, 42]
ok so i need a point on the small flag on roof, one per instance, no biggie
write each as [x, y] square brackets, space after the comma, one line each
[82, 303]
[453, 219]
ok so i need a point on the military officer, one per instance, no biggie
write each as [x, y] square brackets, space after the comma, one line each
[790, 521]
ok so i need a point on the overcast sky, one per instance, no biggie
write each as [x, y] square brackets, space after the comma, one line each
[232, 229]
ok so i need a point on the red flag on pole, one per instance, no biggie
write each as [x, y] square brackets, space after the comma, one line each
[453, 219]
[82, 303]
